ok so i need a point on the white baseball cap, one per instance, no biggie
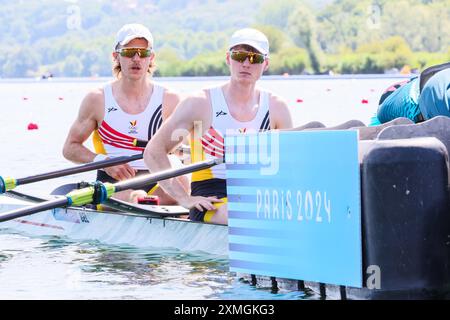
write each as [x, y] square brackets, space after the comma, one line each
[251, 37]
[132, 31]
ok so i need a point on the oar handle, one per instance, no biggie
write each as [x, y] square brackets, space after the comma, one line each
[65, 172]
[143, 180]
[7, 183]
[99, 192]
[140, 143]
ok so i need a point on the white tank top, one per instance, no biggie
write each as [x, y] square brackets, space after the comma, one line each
[119, 129]
[212, 142]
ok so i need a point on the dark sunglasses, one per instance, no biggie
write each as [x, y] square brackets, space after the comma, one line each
[131, 52]
[253, 57]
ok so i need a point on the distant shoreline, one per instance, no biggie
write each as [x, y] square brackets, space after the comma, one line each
[290, 77]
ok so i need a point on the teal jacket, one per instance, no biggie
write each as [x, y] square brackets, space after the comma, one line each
[435, 96]
[400, 100]
[407, 100]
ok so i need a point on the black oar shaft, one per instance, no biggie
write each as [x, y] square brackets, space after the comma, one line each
[144, 180]
[86, 195]
[21, 212]
[79, 169]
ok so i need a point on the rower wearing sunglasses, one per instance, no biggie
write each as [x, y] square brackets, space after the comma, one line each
[238, 106]
[130, 107]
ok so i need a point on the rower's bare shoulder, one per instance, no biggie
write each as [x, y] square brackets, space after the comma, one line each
[171, 96]
[93, 104]
[279, 112]
[277, 102]
[94, 97]
[170, 101]
[196, 102]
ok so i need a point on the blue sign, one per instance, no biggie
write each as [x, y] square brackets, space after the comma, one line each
[294, 205]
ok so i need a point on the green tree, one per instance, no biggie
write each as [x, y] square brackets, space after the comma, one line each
[346, 23]
[291, 60]
[336, 34]
[73, 67]
[20, 31]
[392, 53]
[208, 64]
[426, 27]
[302, 28]
[19, 62]
[168, 63]
[277, 38]
[275, 13]
[89, 60]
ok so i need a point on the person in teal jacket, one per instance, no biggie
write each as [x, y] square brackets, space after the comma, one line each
[435, 96]
[418, 99]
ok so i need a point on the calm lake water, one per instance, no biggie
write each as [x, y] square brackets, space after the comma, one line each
[55, 268]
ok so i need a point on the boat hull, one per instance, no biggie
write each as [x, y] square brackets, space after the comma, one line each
[119, 228]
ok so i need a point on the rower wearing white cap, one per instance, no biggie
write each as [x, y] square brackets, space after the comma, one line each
[237, 106]
[130, 107]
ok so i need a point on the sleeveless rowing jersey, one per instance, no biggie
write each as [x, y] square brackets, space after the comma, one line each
[119, 129]
[211, 144]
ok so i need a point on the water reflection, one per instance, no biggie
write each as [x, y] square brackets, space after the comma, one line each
[67, 269]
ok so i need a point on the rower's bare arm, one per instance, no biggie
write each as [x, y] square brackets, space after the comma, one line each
[279, 113]
[177, 126]
[170, 102]
[91, 110]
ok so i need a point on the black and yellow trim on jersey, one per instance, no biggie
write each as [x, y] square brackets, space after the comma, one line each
[266, 123]
[155, 122]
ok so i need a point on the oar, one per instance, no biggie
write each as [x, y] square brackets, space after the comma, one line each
[8, 183]
[100, 192]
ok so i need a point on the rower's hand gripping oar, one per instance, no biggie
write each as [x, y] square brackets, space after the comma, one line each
[99, 192]
[8, 183]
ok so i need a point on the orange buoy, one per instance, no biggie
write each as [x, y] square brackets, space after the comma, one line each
[299, 100]
[365, 101]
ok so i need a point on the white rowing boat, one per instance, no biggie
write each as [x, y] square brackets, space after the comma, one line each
[139, 225]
